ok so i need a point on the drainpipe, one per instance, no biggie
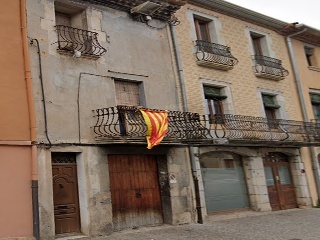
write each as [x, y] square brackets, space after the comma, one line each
[32, 119]
[302, 104]
[185, 108]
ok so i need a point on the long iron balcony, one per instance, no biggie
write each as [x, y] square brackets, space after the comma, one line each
[214, 55]
[267, 67]
[86, 42]
[125, 124]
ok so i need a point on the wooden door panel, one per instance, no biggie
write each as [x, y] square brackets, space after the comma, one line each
[281, 193]
[289, 196]
[135, 191]
[65, 198]
[274, 198]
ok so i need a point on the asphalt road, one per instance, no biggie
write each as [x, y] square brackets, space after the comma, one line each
[297, 224]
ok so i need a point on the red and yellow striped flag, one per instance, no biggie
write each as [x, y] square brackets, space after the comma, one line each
[157, 126]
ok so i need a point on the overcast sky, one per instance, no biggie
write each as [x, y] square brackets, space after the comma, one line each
[302, 11]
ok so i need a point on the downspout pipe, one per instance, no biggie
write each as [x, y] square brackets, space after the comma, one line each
[302, 104]
[32, 119]
[297, 74]
[185, 108]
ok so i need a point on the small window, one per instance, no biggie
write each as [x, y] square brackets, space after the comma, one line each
[70, 15]
[202, 30]
[214, 103]
[270, 108]
[127, 93]
[315, 101]
[257, 44]
[309, 52]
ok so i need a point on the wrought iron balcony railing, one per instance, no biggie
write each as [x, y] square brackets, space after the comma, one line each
[86, 42]
[214, 55]
[123, 124]
[268, 67]
[127, 122]
[256, 129]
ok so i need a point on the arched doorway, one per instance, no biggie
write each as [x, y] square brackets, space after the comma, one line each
[279, 181]
[224, 182]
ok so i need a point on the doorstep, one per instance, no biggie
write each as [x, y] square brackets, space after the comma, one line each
[71, 236]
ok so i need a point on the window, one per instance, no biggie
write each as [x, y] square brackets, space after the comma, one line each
[270, 108]
[310, 56]
[70, 15]
[214, 103]
[127, 93]
[315, 101]
[257, 44]
[202, 30]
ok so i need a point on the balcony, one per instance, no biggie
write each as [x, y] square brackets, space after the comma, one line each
[248, 130]
[214, 55]
[270, 68]
[125, 124]
[86, 42]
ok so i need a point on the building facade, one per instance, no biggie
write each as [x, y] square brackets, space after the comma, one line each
[17, 127]
[303, 46]
[236, 70]
[99, 63]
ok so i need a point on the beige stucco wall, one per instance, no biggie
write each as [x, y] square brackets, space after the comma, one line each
[245, 86]
[15, 185]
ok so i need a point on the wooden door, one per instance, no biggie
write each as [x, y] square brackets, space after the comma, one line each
[135, 194]
[279, 182]
[65, 193]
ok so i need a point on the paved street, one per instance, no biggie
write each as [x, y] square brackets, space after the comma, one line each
[297, 224]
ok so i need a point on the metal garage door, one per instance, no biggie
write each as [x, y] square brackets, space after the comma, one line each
[224, 182]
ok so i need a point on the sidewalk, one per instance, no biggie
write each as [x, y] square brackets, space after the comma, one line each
[296, 224]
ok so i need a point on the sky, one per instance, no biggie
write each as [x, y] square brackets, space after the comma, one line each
[302, 11]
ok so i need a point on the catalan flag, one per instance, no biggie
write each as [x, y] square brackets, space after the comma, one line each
[157, 126]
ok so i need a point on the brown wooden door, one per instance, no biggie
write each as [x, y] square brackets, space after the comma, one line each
[135, 194]
[65, 197]
[279, 182]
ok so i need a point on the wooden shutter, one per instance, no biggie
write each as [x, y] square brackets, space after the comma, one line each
[202, 30]
[213, 93]
[127, 93]
[269, 102]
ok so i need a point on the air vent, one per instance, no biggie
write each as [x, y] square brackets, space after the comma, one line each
[146, 8]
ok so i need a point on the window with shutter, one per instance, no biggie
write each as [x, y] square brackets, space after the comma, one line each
[315, 101]
[202, 30]
[309, 52]
[127, 93]
[270, 108]
[214, 103]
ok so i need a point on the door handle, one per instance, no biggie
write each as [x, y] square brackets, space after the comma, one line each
[277, 178]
